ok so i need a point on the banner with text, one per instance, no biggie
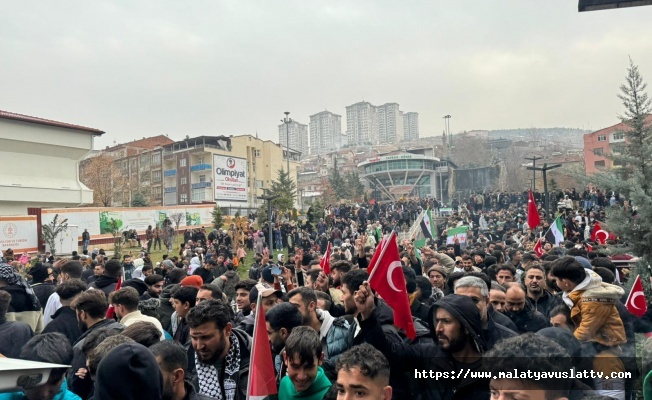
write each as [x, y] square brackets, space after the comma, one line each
[18, 234]
[230, 178]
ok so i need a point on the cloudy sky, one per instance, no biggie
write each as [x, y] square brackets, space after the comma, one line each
[143, 68]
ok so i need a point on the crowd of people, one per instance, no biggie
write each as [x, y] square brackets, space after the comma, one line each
[182, 328]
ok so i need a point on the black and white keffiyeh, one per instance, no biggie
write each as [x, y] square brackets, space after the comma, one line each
[209, 376]
[9, 275]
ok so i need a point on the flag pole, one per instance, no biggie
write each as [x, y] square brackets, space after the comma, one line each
[382, 253]
[258, 311]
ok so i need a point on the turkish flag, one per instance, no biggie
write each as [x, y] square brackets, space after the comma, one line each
[262, 377]
[589, 248]
[388, 281]
[599, 235]
[110, 312]
[533, 219]
[538, 248]
[325, 262]
[636, 302]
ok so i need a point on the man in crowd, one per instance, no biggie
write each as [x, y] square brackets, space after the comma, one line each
[521, 312]
[183, 300]
[109, 279]
[13, 334]
[64, 319]
[242, 290]
[125, 302]
[219, 356]
[363, 373]
[172, 358]
[280, 320]
[542, 299]
[154, 287]
[303, 357]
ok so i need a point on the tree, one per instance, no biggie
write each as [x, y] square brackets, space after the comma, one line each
[286, 189]
[315, 211]
[177, 218]
[218, 218]
[115, 227]
[354, 186]
[52, 230]
[633, 179]
[139, 200]
[102, 175]
[338, 183]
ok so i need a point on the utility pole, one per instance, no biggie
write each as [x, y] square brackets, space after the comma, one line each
[534, 173]
[544, 170]
[447, 127]
[287, 121]
[269, 199]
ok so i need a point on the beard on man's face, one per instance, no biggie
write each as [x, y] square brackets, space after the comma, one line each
[83, 327]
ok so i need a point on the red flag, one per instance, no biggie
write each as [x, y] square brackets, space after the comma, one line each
[110, 313]
[262, 377]
[374, 258]
[387, 279]
[636, 302]
[589, 248]
[538, 248]
[325, 262]
[533, 219]
[599, 235]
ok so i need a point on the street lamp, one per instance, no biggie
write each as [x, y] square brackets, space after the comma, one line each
[287, 121]
[447, 127]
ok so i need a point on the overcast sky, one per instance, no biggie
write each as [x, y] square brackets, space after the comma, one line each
[143, 68]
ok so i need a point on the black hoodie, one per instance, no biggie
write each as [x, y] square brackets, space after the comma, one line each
[430, 357]
[129, 371]
[105, 284]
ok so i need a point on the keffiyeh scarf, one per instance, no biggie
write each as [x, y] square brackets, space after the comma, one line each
[209, 376]
[10, 276]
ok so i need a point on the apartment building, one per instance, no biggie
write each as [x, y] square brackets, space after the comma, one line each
[411, 126]
[390, 123]
[298, 135]
[325, 132]
[362, 124]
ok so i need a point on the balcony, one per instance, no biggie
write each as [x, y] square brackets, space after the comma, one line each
[201, 185]
[200, 167]
[203, 194]
[170, 189]
[169, 172]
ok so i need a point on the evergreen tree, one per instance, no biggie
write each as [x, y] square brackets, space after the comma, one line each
[286, 189]
[218, 218]
[338, 183]
[355, 187]
[139, 200]
[633, 176]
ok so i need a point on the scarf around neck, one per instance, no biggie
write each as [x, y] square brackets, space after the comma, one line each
[209, 376]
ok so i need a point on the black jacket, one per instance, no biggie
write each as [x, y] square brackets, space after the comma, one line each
[43, 291]
[546, 303]
[528, 319]
[242, 375]
[105, 284]
[430, 357]
[496, 332]
[501, 319]
[13, 335]
[64, 321]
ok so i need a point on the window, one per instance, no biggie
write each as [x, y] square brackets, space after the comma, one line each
[157, 191]
[599, 151]
[259, 184]
[184, 180]
[184, 198]
[256, 153]
[156, 176]
[602, 138]
[144, 161]
[156, 159]
[200, 160]
[183, 162]
[619, 135]
[599, 164]
[202, 178]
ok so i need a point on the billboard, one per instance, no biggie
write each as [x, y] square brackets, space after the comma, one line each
[230, 178]
[18, 234]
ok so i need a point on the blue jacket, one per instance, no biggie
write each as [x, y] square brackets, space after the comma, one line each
[63, 394]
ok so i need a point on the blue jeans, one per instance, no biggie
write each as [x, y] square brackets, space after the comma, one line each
[85, 246]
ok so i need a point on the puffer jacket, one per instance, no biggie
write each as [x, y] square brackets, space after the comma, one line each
[594, 312]
[339, 337]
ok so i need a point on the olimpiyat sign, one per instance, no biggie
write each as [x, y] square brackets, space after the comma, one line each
[230, 178]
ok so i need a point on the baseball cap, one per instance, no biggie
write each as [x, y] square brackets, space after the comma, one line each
[265, 291]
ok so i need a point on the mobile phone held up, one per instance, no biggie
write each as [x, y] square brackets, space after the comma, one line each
[276, 270]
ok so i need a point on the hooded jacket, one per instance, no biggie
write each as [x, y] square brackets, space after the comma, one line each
[594, 312]
[135, 367]
[64, 321]
[545, 303]
[105, 284]
[165, 309]
[430, 357]
[24, 308]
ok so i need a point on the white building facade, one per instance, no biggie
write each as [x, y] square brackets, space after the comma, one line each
[362, 124]
[411, 126]
[325, 132]
[298, 135]
[390, 123]
[41, 163]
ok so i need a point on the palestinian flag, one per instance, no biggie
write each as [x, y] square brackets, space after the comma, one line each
[555, 234]
[427, 225]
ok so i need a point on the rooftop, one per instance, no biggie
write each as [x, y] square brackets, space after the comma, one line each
[49, 122]
[144, 143]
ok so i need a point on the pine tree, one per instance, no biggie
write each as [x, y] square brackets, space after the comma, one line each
[338, 183]
[354, 185]
[632, 177]
[286, 189]
[218, 218]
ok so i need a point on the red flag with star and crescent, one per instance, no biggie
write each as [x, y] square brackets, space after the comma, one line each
[388, 281]
[325, 262]
[599, 235]
[636, 302]
[110, 312]
[533, 218]
[262, 377]
[538, 248]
